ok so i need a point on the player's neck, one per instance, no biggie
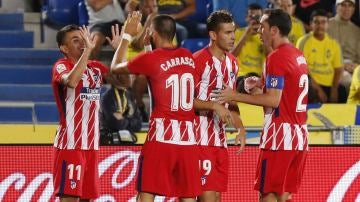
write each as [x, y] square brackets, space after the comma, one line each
[279, 42]
[165, 44]
[217, 52]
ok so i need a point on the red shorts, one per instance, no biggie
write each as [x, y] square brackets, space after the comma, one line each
[214, 164]
[75, 173]
[279, 171]
[169, 170]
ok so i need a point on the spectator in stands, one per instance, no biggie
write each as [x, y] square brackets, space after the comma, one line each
[323, 55]
[248, 47]
[102, 15]
[238, 8]
[354, 92]
[304, 8]
[348, 35]
[180, 10]
[297, 27]
[119, 114]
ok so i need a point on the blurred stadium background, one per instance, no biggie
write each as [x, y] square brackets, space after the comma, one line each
[28, 121]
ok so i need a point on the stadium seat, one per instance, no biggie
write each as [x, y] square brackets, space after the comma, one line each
[195, 44]
[25, 74]
[58, 13]
[11, 21]
[203, 10]
[26, 56]
[83, 14]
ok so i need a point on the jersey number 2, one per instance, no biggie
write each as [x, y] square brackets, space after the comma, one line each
[303, 83]
[182, 91]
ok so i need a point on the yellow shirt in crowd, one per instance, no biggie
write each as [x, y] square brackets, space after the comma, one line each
[251, 57]
[297, 30]
[323, 57]
[354, 92]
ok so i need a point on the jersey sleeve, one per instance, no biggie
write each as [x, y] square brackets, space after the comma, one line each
[60, 68]
[199, 69]
[140, 64]
[337, 60]
[275, 74]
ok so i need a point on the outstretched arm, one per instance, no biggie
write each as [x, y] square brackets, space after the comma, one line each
[271, 98]
[130, 29]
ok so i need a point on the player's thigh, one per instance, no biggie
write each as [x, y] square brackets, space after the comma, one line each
[272, 171]
[214, 168]
[68, 178]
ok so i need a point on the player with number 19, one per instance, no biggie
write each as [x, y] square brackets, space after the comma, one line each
[284, 139]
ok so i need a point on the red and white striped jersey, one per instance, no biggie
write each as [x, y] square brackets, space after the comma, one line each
[78, 107]
[210, 131]
[171, 76]
[285, 127]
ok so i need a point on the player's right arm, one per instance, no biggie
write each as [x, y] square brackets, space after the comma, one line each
[72, 78]
[131, 27]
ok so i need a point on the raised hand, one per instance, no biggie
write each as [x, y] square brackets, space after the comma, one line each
[115, 36]
[132, 24]
[87, 37]
[147, 37]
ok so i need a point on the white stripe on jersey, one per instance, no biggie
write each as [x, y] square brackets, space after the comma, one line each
[175, 127]
[299, 135]
[70, 117]
[204, 125]
[190, 130]
[159, 129]
[96, 126]
[267, 121]
[204, 84]
[287, 136]
[219, 73]
[229, 66]
[85, 120]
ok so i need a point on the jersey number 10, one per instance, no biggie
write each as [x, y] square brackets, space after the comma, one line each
[182, 91]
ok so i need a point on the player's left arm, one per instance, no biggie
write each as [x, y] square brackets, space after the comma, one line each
[119, 65]
[238, 124]
[271, 98]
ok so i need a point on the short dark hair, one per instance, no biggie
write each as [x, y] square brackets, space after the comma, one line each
[280, 19]
[165, 26]
[318, 12]
[60, 36]
[254, 6]
[216, 18]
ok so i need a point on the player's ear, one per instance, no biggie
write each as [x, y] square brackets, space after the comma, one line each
[212, 35]
[64, 49]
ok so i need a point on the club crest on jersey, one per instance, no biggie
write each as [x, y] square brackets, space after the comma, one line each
[275, 82]
[60, 68]
[96, 77]
[72, 184]
[232, 74]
